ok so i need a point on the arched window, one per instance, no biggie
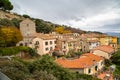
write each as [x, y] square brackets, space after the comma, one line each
[21, 44]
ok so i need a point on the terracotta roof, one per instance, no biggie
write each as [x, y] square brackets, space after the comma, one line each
[92, 56]
[103, 76]
[56, 49]
[43, 36]
[86, 60]
[93, 41]
[105, 48]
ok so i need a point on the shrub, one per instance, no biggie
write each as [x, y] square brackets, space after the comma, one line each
[12, 50]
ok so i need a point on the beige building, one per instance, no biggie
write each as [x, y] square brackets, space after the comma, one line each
[87, 64]
[84, 44]
[68, 44]
[104, 51]
[93, 44]
[43, 43]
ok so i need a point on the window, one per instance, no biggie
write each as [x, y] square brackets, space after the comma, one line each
[21, 44]
[80, 42]
[46, 49]
[30, 42]
[37, 42]
[46, 43]
[96, 68]
[89, 43]
[64, 42]
[102, 63]
[89, 71]
[51, 48]
[113, 45]
[84, 46]
[81, 50]
[69, 44]
[50, 42]
[27, 24]
[55, 42]
[25, 44]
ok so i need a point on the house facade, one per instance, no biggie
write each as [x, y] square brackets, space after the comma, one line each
[105, 40]
[44, 44]
[87, 64]
[93, 44]
[104, 51]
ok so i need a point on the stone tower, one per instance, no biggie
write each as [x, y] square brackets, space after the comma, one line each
[27, 27]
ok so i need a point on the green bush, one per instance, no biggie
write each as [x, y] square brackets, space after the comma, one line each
[32, 52]
[43, 68]
[116, 58]
[13, 50]
[14, 69]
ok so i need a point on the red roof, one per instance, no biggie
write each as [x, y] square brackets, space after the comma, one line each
[93, 41]
[105, 48]
[86, 60]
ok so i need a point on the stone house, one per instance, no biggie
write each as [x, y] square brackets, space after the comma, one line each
[27, 28]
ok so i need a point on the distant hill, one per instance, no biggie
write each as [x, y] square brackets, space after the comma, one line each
[113, 34]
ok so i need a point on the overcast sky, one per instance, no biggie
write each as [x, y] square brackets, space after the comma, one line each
[93, 15]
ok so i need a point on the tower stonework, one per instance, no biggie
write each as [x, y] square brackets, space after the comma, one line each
[27, 27]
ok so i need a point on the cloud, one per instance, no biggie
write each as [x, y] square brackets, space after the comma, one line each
[83, 14]
[102, 19]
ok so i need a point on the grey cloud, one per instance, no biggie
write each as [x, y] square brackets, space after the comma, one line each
[62, 11]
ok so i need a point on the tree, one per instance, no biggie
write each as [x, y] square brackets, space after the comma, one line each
[43, 68]
[6, 22]
[9, 36]
[33, 52]
[6, 5]
[43, 27]
[14, 69]
[116, 58]
[61, 30]
[16, 22]
[43, 75]
[26, 16]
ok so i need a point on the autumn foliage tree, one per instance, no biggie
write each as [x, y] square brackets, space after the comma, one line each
[61, 30]
[9, 36]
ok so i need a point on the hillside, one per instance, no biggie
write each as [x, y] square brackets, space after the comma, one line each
[45, 24]
[41, 25]
[10, 15]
